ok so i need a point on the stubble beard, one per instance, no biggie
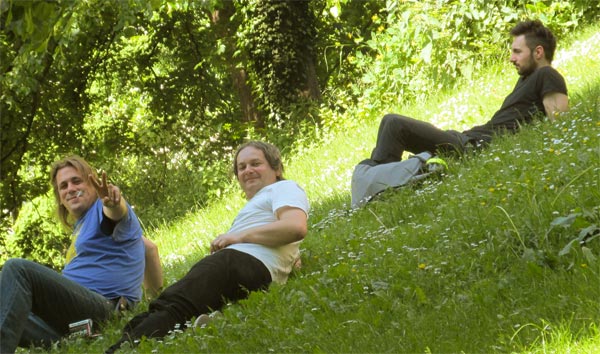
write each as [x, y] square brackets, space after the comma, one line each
[530, 68]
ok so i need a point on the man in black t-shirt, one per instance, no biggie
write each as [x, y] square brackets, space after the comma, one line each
[540, 90]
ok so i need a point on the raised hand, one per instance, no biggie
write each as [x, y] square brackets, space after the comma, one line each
[108, 193]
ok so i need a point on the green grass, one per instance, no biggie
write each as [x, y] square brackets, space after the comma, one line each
[470, 262]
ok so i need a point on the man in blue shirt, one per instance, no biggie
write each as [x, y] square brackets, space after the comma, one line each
[104, 267]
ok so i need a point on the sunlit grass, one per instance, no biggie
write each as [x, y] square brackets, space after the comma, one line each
[466, 263]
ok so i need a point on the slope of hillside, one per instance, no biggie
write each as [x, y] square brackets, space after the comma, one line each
[487, 258]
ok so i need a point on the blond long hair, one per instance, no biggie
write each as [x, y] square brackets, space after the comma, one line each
[83, 168]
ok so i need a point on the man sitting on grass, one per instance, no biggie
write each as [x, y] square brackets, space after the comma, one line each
[104, 268]
[540, 90]
[261, 246]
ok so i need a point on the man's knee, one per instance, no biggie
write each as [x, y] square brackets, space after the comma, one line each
[391, 118]
[394, 121]
[15, 265]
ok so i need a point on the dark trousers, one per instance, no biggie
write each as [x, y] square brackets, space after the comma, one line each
[399, 133]
[227, 275]
[37, 304]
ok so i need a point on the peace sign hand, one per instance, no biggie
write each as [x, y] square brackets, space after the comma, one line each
[108, 193]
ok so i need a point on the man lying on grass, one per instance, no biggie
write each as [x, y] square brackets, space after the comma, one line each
[261, 246]
[540, 90]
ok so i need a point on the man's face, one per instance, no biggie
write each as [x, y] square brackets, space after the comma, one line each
[70, 183]
[254, 171]
[522, 57]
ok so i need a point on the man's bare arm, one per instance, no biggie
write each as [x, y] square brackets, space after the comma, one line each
[153, 274]
[555, 103]
[291, 226]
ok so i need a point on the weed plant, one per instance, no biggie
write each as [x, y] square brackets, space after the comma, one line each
[491, 257]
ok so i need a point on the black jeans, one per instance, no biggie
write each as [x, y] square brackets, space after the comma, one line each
[399, 133]
[227, 275]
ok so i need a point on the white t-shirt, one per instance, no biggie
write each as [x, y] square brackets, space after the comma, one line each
[261, 210]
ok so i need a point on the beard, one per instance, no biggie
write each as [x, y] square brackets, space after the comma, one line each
[529, 67]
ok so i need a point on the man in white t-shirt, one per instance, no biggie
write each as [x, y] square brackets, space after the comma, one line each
[261, 246]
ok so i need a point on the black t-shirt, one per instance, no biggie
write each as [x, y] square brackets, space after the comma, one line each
[523, 104]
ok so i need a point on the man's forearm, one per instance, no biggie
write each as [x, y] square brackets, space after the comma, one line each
[153, 274]
[290, 227]
[116, 212]
[278, 233]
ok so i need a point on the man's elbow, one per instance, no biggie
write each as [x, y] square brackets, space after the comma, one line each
[150, 248]
[555, 105]
[153, 275]
[300, 231]
[563, 106]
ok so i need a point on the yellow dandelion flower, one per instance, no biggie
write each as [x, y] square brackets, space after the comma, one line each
[491, 189]
[422, 265]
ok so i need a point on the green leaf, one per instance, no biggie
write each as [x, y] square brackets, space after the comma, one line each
[564, 221]
[426, 53]
[567, 248]
[587, 231]
[589, 256]
[421, 297]
[29, 25]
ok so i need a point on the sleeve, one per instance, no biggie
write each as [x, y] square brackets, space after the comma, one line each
[552, 81]
[128, 228]
[288, 193]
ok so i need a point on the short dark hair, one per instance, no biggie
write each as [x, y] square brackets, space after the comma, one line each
[270, 151]
[83, 167]
[536, 34]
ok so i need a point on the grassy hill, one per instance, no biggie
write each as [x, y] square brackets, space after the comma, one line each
[485, 259]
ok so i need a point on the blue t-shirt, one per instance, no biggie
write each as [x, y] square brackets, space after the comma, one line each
[111, 265]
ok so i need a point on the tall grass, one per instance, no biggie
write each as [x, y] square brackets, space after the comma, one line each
[475, 261]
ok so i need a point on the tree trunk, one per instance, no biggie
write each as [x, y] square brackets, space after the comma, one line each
[224, 29]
